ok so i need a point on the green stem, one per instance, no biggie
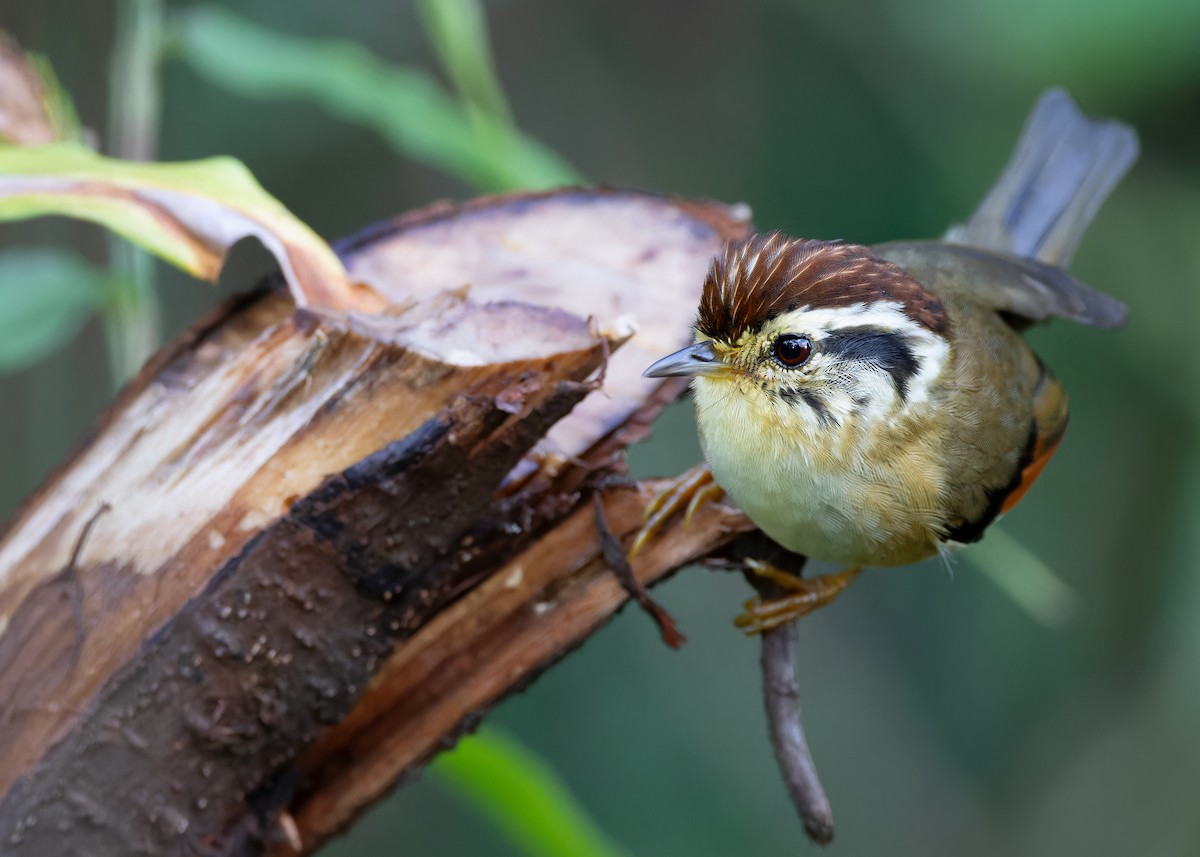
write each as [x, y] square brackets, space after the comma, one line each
[458, 31]
[132, 319]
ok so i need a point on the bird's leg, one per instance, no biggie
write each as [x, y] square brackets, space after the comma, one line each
[803, 595]
[686, 493]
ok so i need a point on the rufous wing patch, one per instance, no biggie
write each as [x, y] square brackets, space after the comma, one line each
[1029, 473]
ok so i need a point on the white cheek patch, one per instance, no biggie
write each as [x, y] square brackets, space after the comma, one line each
[932, 352]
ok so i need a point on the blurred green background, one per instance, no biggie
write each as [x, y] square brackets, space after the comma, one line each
[944, 718]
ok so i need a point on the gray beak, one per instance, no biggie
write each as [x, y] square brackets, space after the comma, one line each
[698, 359]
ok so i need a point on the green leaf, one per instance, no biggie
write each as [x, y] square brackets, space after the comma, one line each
[404, 105]
[189, 214]
[522, 796]
[1022, 576]
[45, 297]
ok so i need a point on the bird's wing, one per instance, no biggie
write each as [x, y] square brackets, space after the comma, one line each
[1050, 414]
[1010, 284]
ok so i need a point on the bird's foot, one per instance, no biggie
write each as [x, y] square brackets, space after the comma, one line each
[687, 493]
[804, 594]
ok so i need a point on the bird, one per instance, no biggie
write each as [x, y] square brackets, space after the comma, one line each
[875, 406]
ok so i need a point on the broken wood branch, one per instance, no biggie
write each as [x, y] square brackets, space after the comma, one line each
[333, 540]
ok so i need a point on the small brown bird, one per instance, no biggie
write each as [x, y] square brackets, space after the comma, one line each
[875, 406]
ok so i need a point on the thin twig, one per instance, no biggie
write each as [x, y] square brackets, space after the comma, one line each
[614, 558]
[781, 695]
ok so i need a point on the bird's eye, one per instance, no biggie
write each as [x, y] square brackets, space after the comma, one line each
[792, 350]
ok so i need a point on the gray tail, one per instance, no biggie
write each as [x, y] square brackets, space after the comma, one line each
[1064, 167]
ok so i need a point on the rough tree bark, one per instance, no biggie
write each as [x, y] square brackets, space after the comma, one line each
[303, 552]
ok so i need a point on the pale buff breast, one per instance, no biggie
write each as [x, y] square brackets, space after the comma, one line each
[859, 503]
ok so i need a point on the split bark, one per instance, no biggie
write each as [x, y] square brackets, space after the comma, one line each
[304, 551]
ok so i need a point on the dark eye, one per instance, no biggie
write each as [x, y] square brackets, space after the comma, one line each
[791, 350]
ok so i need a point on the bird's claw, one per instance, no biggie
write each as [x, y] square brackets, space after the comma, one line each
[687, 494]
[805, 594]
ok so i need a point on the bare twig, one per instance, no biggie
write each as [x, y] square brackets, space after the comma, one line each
[782, 697]
[615, 558]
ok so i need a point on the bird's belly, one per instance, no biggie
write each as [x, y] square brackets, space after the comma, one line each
[812, 502]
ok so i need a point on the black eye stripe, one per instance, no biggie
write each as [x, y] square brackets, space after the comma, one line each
[886, 349]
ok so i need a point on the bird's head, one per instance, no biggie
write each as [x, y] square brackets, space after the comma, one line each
[811, 333]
